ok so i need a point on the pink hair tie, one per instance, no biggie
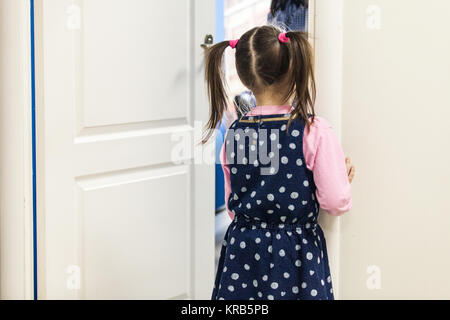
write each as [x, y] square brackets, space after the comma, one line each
[233, 43]
[283, 38]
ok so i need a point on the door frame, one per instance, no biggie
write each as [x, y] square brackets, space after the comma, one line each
[16, 149]
[326, 25]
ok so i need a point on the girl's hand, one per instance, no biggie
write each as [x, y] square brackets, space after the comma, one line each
[350, 169]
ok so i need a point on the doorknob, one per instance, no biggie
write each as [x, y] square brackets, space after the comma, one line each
[208, 42]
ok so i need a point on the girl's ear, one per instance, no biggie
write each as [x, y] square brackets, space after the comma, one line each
[215, 83]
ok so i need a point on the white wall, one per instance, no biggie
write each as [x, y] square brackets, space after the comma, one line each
[327, 39]
[15, 152]
[395, 125]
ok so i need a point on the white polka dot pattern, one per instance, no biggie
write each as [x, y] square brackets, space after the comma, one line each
[274, 247]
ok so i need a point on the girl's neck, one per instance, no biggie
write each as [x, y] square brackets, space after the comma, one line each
[270, 100]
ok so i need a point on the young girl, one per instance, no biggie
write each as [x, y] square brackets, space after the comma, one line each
[281, 164]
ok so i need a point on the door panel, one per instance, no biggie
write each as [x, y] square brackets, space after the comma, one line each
[130, 66]
[118, 218]
[112, 206]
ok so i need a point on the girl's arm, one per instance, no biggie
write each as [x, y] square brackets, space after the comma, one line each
[325, 158]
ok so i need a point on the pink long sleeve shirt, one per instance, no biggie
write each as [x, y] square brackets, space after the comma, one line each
[324, 157]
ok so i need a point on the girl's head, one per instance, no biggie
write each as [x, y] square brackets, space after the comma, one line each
[266, 63]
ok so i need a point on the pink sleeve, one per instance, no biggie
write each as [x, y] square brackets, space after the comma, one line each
[325, 158]
[226, 174]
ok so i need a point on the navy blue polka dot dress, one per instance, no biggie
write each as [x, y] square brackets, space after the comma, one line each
[273, 249]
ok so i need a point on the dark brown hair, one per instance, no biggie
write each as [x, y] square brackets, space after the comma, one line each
[261, 61]
[280, 5]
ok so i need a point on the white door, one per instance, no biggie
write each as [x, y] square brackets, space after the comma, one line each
[117, 218]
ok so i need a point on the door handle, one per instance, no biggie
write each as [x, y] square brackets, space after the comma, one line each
[208, 42]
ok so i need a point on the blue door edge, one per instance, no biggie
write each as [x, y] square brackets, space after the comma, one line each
[33, 146]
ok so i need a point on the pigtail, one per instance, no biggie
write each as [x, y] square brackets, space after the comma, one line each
[215, 82]
[303, 87]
